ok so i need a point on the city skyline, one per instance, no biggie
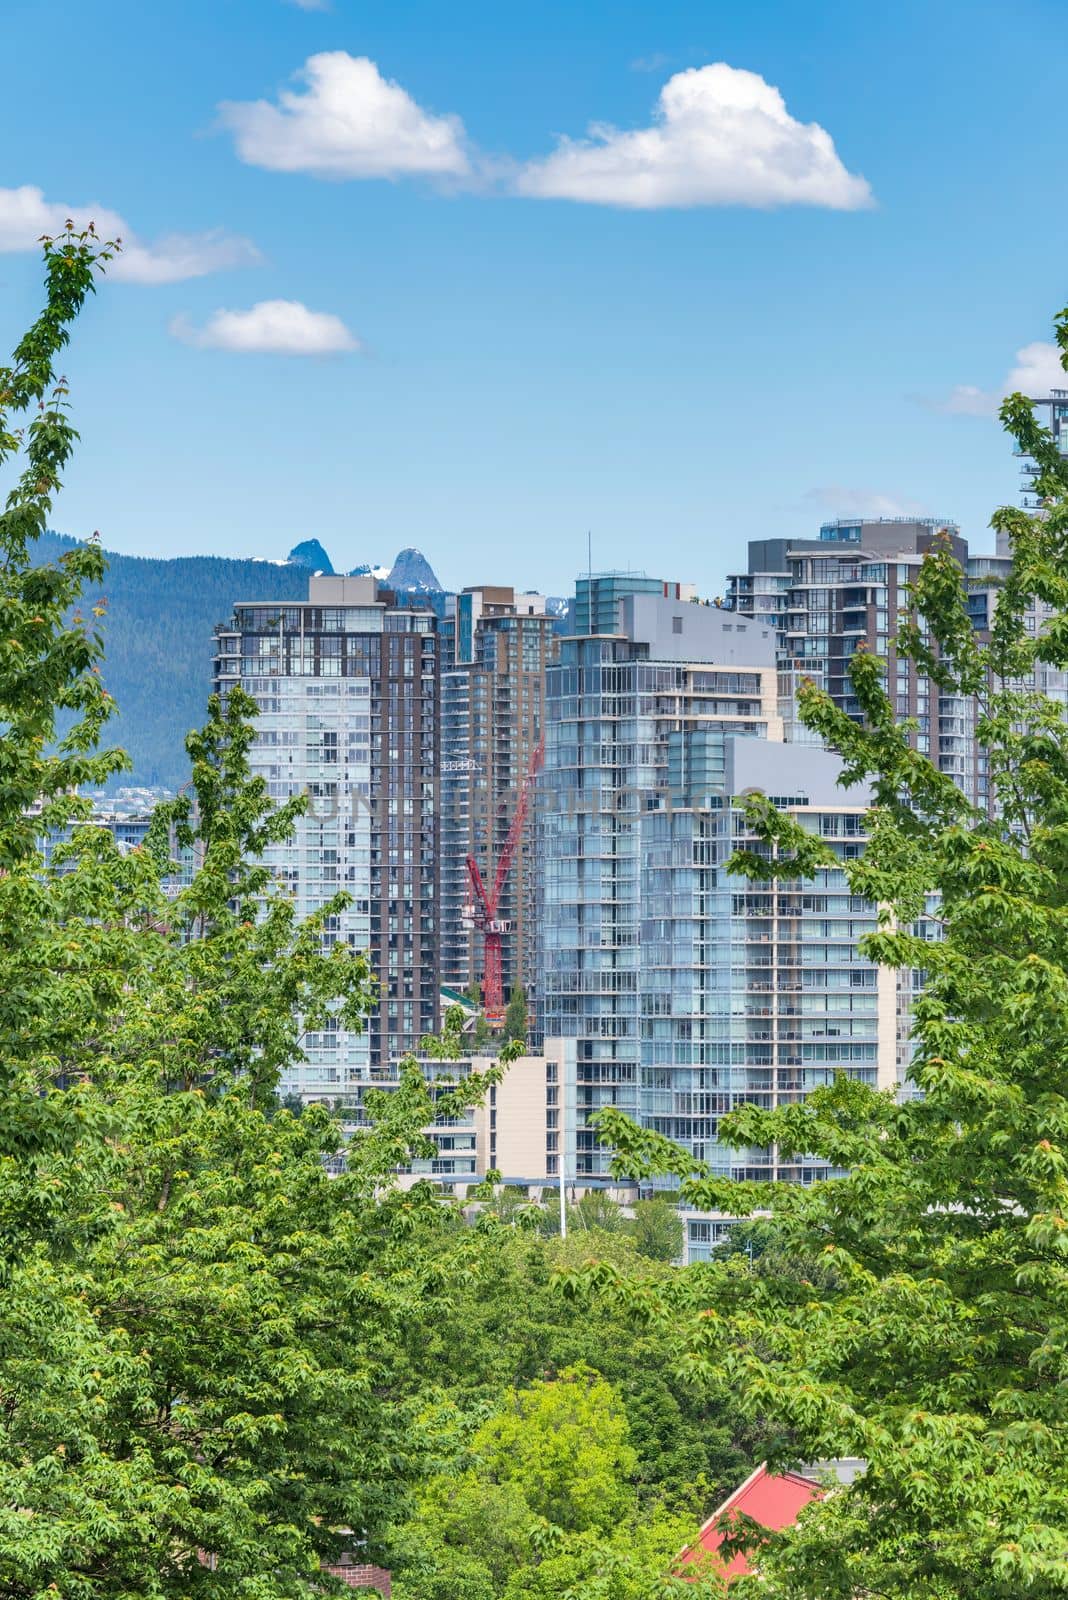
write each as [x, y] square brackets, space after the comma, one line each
[533, 795]
[594, 767]
[526, 295]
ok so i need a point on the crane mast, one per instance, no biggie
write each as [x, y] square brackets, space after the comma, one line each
[482, 913]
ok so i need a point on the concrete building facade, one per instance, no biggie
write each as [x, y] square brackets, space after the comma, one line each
[595, 607]
[529, 1119]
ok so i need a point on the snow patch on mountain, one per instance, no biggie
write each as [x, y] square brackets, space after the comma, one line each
[367, 571]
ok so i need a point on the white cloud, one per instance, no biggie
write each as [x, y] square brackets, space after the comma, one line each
[968, 401]
[178, 256]
[25, 215]
[836, 500]
[720, 136]
[311, 5]
[349, 122]
[1037, 370]
[279, 327]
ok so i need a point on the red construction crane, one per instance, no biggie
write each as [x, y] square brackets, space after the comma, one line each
[483, 912]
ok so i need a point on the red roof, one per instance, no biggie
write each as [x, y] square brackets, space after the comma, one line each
[773, 1499]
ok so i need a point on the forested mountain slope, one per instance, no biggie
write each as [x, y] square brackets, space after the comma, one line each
[157, 633]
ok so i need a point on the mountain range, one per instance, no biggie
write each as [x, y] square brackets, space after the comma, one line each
[411, 573]
[158, 630]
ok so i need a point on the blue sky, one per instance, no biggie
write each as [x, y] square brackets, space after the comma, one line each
[676, 375]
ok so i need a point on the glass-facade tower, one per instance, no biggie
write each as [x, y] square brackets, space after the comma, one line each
[754, 992]
[614, 705]
[347, 687]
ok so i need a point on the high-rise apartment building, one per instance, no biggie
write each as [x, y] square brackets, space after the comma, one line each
[347, 686]
[685, 990]
[616, 707]
[827, 597]
[496, 645]
[752, 992]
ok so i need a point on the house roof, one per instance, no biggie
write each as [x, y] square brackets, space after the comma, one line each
[773, 1499]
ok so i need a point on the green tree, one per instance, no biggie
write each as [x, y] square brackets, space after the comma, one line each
[520, 1313]
[657, 1228]
[516, 1021]
[482, 1033]
[598, 1211]
[512, 1205]
[202, 1350]
[565, 1445]
[937, 1346]
[635, 1562]
[468, 1533]
[544, 1502]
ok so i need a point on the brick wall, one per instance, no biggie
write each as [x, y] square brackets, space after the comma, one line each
[358, 1575]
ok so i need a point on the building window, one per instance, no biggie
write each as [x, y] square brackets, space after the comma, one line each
[676, 624]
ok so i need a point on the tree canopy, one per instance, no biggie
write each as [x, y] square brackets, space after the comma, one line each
[201, 1359]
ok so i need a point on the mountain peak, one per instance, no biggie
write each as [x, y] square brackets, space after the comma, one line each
[310, 553]
[412, 571]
